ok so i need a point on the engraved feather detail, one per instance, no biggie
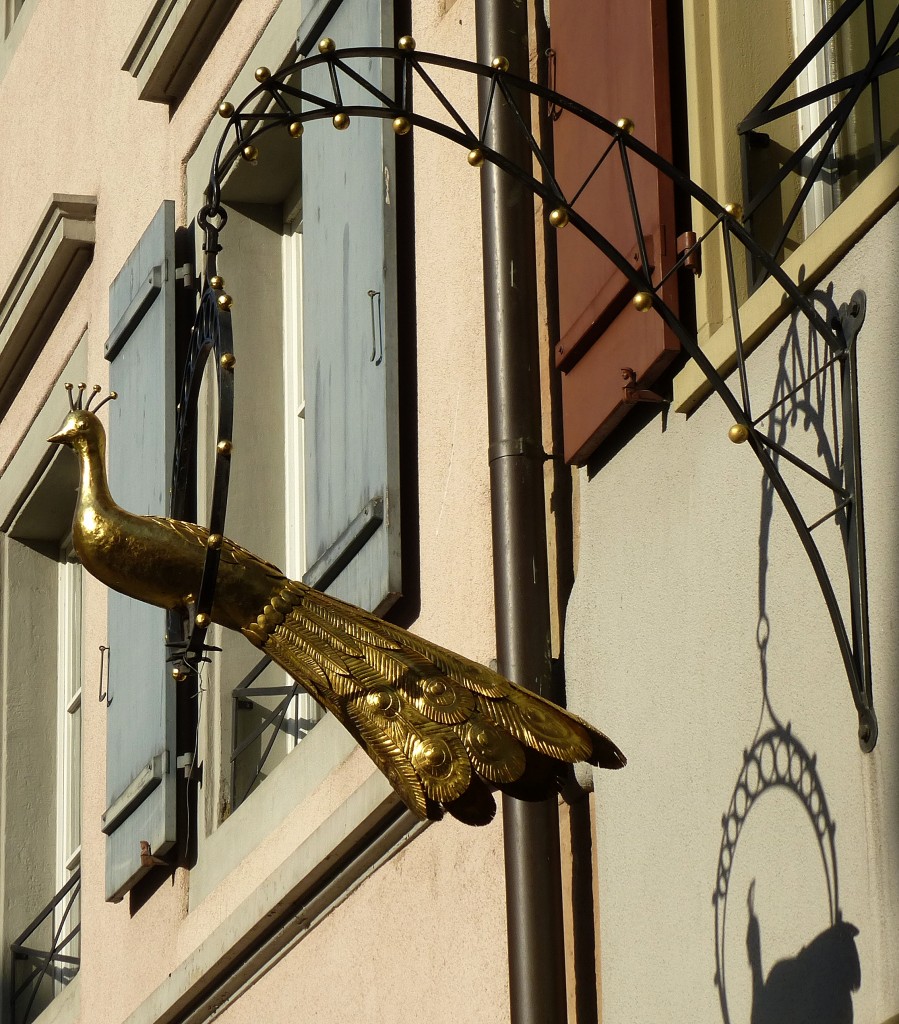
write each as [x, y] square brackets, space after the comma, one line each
[443, 729]
[439, 726]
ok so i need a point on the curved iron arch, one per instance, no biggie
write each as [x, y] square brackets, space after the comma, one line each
[281, 102]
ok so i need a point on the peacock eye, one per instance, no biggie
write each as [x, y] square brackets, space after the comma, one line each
[80, 423]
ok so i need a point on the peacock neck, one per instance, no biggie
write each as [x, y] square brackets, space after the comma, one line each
[94, 488]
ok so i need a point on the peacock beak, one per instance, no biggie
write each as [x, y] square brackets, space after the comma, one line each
[59, 438]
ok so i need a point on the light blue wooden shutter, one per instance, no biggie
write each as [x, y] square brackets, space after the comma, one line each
[349, 331]
[140, 721]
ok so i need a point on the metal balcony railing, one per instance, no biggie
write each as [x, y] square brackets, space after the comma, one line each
[841, 69]
[40, 973]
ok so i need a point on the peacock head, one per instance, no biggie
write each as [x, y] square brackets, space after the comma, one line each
[82, 429]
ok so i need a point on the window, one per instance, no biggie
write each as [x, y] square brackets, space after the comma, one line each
[315, 437]
[802, 161]
[41, 672]
[739, 68]
[68, 753]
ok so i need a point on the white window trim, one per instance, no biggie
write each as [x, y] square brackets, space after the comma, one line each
[809, 17]
[68, 747]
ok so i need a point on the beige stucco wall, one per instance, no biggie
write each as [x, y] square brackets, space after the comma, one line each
[692, 592]
[429, 925]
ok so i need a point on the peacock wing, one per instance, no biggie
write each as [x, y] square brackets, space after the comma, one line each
[230, 553]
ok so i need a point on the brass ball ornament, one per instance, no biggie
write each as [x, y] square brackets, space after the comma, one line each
[500, 63]
[734, 209]
[214, 541]
[626, 125]
[327, 45]
[262, 74]
[179, 674]
[295, 129]
[341, 121]
[406, 43]
[476, 157]
[558, 217]
[216, 283]
[642, 301]
[250, 154]
[738, 433]
[224, 447]
[224, 301]
[402, 126]
[226, 109]
[228, 360]
[202, 620]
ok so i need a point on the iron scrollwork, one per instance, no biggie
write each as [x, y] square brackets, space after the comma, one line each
[282, 101]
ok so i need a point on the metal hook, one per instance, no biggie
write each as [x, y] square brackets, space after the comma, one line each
[553, 111]
[377, 336]
[104, 661]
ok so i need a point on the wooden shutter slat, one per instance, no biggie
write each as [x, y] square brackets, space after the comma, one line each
[349, 325]
[613, 57]
[140, 720]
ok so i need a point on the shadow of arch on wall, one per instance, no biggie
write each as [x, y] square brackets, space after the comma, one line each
[332, 85]
[816, 984]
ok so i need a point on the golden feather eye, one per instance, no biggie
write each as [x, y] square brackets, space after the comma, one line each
[384, 701]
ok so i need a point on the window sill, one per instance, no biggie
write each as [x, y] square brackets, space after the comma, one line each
[171, 44]
[766, 307]
[66, 1007]
[288, 901]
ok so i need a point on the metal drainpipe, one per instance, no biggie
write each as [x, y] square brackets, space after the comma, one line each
[520, 575]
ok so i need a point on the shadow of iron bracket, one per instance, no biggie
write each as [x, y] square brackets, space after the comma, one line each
[855, 642]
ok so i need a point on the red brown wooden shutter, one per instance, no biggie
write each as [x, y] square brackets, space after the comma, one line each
[612, 57]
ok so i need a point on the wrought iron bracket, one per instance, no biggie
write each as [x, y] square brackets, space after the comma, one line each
[288, 99]
[851, 317]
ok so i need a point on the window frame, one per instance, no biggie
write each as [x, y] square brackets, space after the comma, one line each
[329, 760]
[716, 166]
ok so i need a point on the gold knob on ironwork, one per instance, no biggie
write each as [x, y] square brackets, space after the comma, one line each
[402, 125]
[296, 129]
[326, 45]
[738, 433]
[341, 121]
[202, 620]
[250, 153]
[179, 674]
[734, 209]
[262, 74]
[406, 43]
[500, 63]
[642, 301]
[216, 283]
[226, 109]
[214, 541]
[625, 124]
[558, 217]
[224, 301]
[224, 447]
[476, 157]
[228, 361]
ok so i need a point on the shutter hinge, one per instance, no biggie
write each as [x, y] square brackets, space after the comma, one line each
[690, 252]
[147, 859]
[189, 768]
[185, 274]
[634, 394]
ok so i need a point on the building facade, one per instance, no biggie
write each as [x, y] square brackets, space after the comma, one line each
[215, 848]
